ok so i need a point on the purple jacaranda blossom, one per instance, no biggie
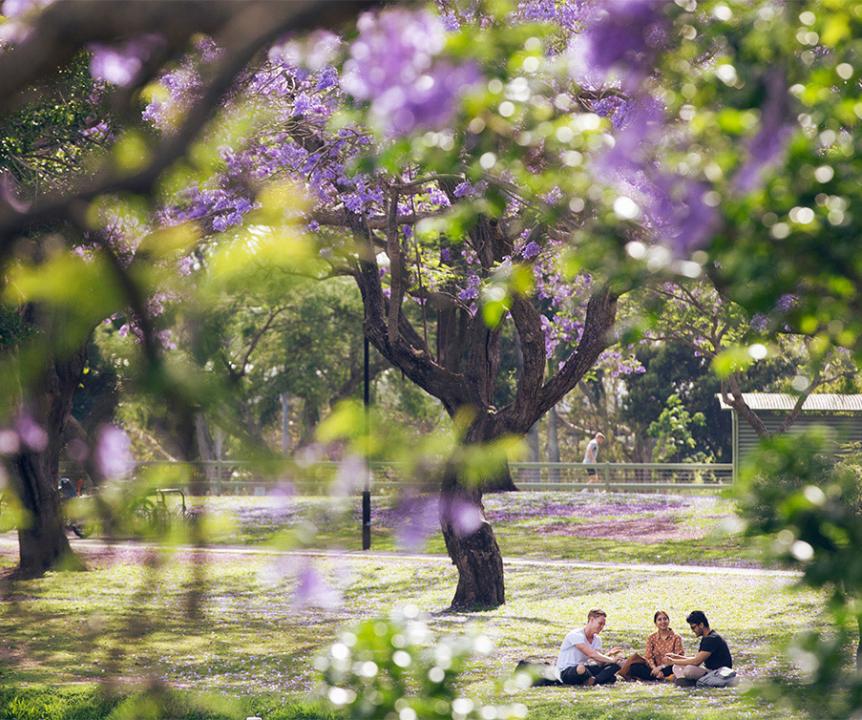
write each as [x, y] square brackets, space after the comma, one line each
[471, 292]
[612, 106]
[759, 322]
[786, 302]
[464, 189]
[767, 146]
[531, 249]
[623, 37]
[328, 78]
[445, 255]
[567, 13]
[553, 196]
[99, 132]
[32, 435]
[113, 453]
[312, 590]
[394, 65]
[678, 214]
[120, 64]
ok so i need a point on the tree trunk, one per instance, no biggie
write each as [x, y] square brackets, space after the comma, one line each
[469, 537]
[42, 541]
[500, 482]
[471, 545]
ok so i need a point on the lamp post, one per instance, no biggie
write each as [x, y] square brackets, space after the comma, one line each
[366, 493]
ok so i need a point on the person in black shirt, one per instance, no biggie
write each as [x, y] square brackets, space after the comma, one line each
[712, 654]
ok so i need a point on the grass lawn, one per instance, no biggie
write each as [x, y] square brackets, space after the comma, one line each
[248, 641]
[615, 527]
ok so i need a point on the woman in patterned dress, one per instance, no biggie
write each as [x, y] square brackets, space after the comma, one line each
[653, 665]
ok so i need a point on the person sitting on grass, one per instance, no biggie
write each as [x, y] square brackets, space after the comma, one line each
[653, 664]
[581, 660]
[712, 654]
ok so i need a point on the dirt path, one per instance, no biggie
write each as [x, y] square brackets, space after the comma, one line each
[127, 551]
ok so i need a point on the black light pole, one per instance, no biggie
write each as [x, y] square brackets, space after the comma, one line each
[366, 493]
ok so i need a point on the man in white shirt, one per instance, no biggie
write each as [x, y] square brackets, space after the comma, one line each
[591, 456]
[581, 660]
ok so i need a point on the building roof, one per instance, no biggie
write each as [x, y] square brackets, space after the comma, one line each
[822, 402]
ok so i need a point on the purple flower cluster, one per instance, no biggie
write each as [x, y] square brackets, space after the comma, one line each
[566, 13]
[776, 128]
[216, 210]
[394, 65]
[120, 64]
[471, 291]
[621, 36]
[614, 107]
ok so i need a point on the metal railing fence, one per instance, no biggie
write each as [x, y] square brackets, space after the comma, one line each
[239, 478]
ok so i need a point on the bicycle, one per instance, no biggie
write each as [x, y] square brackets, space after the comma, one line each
[155, 511]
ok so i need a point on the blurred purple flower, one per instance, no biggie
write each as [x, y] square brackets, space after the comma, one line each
[19, 8]
[613, 107]
[464, 189]
[531, 249]
[767, 146]
[328, 78]
[312, 590]
[415, 520]
[9, 442]
[621, 35]
[352, 474]
[465, 517]
[567, 13]
[31, 433]
[120, 64]
[678, 215]
[786, 302]
[393, 65]
[113, 452]
[471, 292]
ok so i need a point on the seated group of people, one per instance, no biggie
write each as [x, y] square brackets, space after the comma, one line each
[582, 662]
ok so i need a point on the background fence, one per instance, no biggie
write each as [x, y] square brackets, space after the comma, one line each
[238, 478]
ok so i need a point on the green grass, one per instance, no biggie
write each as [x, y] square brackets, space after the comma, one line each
[526, 525]
[247, 642]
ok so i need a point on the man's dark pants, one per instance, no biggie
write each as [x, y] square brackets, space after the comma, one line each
[603, 674]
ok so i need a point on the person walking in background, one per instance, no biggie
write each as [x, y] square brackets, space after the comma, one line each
[591, 456]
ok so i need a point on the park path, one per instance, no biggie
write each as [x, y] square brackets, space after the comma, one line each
[9, 546]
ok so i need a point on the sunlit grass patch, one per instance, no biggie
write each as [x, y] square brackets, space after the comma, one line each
[253, 639]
